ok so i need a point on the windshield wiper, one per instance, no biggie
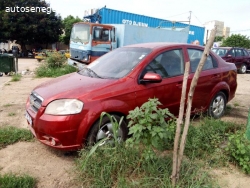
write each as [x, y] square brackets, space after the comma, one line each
[93, 72]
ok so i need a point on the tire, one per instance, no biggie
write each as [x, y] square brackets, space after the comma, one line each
[217, 105]
[243, 69]
[105, 130]
[6, 73]
[1, 74]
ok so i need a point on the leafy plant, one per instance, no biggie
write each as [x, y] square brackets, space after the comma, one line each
[238, 149]
[55, 60]
[148, 127]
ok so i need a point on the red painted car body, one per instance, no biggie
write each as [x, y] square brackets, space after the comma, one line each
[62, 112]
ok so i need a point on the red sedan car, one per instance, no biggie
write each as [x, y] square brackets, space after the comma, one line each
[65, 112]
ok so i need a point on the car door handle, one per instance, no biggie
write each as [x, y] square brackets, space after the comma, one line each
[179, 85]
[215, 76]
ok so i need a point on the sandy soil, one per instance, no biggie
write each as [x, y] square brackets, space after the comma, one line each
[53, 168]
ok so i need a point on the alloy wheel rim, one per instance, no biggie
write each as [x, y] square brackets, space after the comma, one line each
[218, 105]
[106, 131]
[243, 69]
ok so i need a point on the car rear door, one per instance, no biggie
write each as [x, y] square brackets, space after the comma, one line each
[209, 77]
[239, 58]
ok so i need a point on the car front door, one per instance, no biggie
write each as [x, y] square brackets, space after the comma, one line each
[170, 65]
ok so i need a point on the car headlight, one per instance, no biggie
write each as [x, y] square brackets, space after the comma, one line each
[64, 107]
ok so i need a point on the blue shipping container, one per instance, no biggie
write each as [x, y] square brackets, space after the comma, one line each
[110, 16]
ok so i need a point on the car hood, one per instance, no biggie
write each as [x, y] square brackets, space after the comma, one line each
[72, 85]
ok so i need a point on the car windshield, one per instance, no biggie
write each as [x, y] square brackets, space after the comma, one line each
[80, 33]
[220, 51]
[117, 63]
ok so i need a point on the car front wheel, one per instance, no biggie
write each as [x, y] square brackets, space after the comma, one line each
[105, 131]
[217, 105]
[243, 69]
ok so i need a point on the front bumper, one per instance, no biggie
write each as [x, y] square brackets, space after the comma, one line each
[59, 132]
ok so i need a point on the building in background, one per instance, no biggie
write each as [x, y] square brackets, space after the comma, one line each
[221, 29]
[226, 32]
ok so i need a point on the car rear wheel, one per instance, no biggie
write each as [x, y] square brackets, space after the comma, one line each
[243, 69]
[217, 105]
[104, 130]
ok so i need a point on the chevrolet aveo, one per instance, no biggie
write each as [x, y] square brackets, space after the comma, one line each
[65, 113]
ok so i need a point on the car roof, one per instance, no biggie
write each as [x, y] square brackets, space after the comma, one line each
[222, 47]
[156, 45]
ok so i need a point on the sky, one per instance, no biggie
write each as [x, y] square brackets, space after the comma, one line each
[234, 13]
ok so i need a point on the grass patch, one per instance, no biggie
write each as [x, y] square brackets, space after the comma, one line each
[125, 167]
[15, 181]
[208, 144]
[45, 71]
[16, 77]
[236, 104]
[209, 137]
[7, 105]
[10, 135]
[12, 114]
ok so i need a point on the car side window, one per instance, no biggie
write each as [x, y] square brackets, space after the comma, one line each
[245, 53]
[238, 53]
[231, 52]
[167, 64]
[195, 57]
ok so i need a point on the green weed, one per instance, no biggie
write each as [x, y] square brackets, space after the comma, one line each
[11, 114]
[16, 77]
[16, 181]
[10, 135]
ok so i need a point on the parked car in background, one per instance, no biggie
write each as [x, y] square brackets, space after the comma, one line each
[239, 56]
[65, 112]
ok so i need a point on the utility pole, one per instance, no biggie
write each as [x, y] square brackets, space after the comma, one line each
[189, 18]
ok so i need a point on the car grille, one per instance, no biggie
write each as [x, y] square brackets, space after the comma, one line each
[35, 101]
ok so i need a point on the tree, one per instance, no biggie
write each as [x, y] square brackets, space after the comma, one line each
[67, 26]
[237, 40]
[218, 38]
[29, 22]
[179, 146]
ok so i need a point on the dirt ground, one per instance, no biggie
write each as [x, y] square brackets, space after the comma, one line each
[53, 168]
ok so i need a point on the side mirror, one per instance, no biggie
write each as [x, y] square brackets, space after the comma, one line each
[151, 77]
